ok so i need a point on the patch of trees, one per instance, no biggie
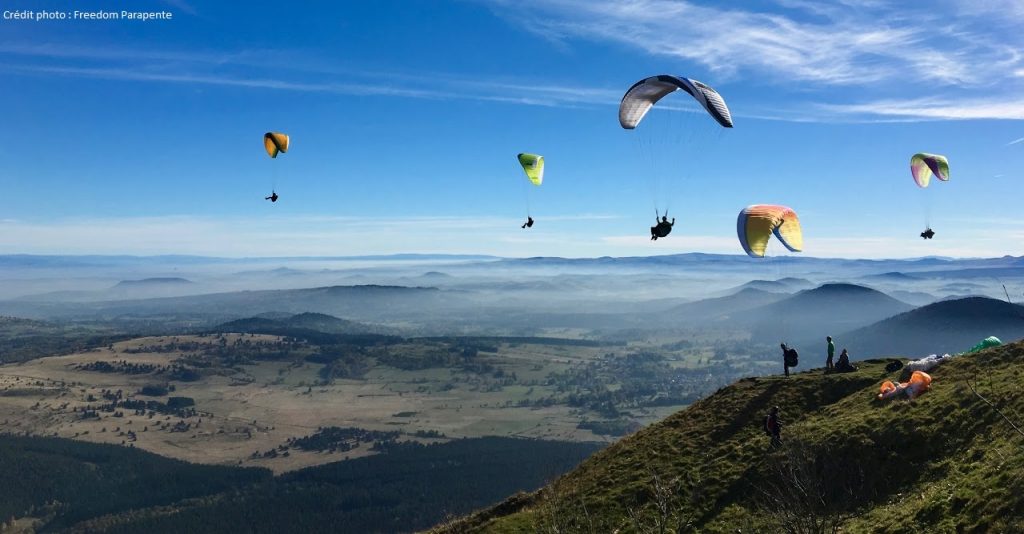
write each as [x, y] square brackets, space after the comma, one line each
[612, 427]
[494, 341]
[123, 367]
[411, 488]
[22, 347]
[90, 479]
[177, 406]
[154, 390]
[340, 361]
[334, 439]
[638, 380]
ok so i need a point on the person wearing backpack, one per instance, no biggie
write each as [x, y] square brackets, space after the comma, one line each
[773, 426]
[790, 358]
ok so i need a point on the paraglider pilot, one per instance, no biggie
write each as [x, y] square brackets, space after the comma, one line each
[273, 197]
[663, 228]
[528, 223]
[790, 358]
[927, 234]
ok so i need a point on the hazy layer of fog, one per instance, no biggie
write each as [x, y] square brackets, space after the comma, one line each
[470, 294]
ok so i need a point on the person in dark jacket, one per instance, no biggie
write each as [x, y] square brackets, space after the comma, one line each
[831, 352]
[789, 358]
[663, 228]
[844, 365]
[773, 426]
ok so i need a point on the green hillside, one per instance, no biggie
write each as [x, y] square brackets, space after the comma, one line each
[945, 462]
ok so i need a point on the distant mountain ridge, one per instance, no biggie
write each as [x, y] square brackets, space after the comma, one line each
[946, 326]
[713, 309]
[152, 282]
[318, 322]
[815, 313]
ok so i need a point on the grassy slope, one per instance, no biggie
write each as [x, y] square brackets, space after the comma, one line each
[945, 462]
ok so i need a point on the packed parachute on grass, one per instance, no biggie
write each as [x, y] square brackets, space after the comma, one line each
[919, 382]
[989, 342]
[930, 362]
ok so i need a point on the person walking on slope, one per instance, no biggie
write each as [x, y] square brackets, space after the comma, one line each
[789, 358]
[773, 426]
[831, 352]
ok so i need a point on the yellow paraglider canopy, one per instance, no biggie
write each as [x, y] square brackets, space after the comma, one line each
[275, 143]
[533, 166]
[756, 224]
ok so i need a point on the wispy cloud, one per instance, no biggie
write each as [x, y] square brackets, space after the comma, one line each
[935, 109]
[261, 83]
[1015, 141]
[828, 62]
[922, 56]
[856, 45]
[233, 69]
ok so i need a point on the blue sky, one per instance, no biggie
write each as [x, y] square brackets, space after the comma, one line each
[406, 116]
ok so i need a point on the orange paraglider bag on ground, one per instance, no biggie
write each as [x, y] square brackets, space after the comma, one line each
[919, 382]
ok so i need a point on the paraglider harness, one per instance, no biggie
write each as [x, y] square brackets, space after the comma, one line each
[663, 228]
[928, 234]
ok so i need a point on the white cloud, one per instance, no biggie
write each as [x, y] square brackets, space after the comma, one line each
[858, 45]
[438, 88]
[935, 108]
[930, 64]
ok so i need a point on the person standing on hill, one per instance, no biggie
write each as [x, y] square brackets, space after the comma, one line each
[831, 352]
[789, 358]
[773, 426]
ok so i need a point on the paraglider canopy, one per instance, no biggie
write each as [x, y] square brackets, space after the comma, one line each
[990, 341]
[275, 143]
[756, 224]
[639, 99]
[533, 166]
[924, 165]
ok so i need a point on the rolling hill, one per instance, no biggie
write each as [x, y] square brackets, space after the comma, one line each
[947, 326]
[319, 322]
[815, 313]
[721, 307]
[945, 462]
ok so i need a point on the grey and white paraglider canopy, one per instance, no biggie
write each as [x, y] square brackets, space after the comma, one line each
[638, 99]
